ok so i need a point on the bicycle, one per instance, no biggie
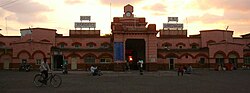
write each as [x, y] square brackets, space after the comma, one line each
[55, 80]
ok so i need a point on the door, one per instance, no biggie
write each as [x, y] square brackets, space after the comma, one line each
[171, 64]
[6, 64]
[74, 63]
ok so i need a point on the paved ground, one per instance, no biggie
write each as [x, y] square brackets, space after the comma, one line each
[202, 81]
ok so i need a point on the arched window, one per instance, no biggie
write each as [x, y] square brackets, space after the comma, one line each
[194, 46]
[62, 44]
[166, 45]
[91, 45]
[77, 44]
[180, 45]
[105, 45]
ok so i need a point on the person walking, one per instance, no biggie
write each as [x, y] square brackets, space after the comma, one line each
[180, 70]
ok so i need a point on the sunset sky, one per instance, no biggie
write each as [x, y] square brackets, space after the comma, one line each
[196, 15]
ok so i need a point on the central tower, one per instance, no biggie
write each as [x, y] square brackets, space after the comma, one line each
[133, 40]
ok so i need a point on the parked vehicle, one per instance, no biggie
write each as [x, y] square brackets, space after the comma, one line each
[25, 67]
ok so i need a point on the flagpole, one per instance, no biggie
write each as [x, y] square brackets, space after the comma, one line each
[6, 27]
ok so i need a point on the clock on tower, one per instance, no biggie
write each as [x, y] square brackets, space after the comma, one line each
[128, 11]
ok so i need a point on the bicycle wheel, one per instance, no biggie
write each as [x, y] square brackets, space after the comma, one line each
[38, 80]
[56, 81]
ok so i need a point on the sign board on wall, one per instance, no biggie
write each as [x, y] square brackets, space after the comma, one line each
[118, 51]
[173, 19]
[85, 18]
[85, 24]
[172, 25]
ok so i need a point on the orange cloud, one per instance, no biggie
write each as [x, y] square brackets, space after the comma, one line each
[119, 3]
[27, 11]
[73, 1]
[157, 9]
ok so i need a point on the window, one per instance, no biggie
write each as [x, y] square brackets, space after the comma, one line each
[89, 59]
[77, 46]
[194, 47]
[202, 61]
[62, 45]
[166, 46]
[247, 60]
[180, 47]
[38, 61]
[105, 46]
[105, 60]
[90, 45]
[220, 61]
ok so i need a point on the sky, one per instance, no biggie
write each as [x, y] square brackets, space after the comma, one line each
[196, 15]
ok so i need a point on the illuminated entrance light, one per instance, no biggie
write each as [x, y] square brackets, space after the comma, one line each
[130, 58]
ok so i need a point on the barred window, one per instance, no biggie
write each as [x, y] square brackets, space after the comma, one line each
[89, 59]
[247, 60]
[105, 60]
[38, 61]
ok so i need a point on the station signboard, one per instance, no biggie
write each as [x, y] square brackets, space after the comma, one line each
[172, 25]
[85, 25]
[172, 19]
[85, 18]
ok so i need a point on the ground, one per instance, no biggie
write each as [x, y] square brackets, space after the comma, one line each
[201, 81]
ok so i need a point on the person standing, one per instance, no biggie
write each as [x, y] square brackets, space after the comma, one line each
[180, 70]
[140, 62]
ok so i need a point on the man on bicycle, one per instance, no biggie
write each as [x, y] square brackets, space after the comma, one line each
[44, 68]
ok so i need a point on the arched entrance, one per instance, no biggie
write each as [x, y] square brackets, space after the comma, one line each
[219, 59]
[135, 50]
[233, 60]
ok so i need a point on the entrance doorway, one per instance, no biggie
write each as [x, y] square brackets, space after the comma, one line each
[58, 61]
[171, 64]
[135, 50]
[6, 63]
[74, 63]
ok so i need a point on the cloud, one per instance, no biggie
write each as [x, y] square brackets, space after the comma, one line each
[27, 11]
[73, 1]
[119, 3]
[234, 11]
[240, 5]
[157, 9]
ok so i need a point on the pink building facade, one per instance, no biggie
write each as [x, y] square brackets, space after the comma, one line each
[132, 39]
